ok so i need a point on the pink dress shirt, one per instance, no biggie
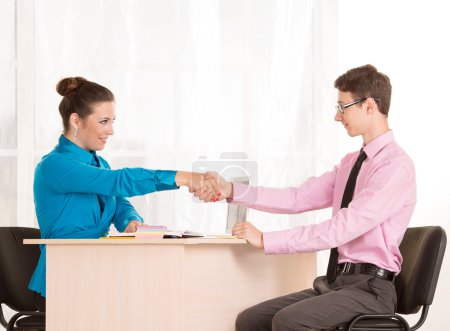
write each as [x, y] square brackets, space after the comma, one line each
[369, 230]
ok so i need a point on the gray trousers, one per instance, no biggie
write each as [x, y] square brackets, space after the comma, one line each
[323, 307]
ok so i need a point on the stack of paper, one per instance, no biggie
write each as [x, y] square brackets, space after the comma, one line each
[192, 234]
[150, 231]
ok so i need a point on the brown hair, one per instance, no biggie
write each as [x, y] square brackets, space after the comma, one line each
[365, 82]
[79, 96]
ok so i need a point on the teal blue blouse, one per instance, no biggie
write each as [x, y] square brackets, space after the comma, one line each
[77, 195]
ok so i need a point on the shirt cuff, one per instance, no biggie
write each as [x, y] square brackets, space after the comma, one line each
[165, 180]
[275, 242]
[121, 226]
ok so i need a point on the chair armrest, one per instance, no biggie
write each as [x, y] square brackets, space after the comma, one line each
[14, 319]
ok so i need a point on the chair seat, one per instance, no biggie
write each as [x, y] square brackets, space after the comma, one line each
[31, 321]
[423, 250]
[374, 324]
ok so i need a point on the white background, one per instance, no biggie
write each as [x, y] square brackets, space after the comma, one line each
[195, 78]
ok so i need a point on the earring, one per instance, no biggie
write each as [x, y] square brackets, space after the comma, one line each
[76, 134]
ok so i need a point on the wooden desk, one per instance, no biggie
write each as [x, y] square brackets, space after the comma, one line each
[163, 284]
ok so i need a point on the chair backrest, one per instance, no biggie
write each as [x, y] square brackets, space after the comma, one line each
[423, 250]
[17, 264]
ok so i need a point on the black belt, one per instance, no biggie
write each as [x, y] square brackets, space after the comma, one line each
[366, 269]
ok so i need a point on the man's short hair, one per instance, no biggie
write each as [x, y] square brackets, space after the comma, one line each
[364, 82]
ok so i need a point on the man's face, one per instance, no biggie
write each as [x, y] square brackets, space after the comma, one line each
[354, 118]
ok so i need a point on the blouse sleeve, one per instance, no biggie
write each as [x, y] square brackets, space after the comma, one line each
[125, 213]
[68, 175]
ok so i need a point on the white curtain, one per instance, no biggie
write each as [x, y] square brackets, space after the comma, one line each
[8, 133]
[192, 79]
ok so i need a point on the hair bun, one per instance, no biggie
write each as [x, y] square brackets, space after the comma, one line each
[66, 85]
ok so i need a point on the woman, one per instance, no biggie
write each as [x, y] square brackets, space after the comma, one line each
[76, 193]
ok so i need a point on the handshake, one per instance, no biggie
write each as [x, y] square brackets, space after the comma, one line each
[209, 186]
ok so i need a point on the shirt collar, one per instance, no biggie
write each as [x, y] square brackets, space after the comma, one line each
[68, 147]
[378, 144]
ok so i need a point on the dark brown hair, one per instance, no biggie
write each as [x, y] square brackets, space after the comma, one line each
[367, 81]
[79, 96]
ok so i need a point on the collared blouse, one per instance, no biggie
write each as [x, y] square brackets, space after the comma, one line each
[77, 195]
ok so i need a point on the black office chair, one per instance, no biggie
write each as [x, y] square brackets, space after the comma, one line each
[17, 263]
[423, 251]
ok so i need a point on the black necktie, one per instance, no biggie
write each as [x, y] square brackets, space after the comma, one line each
[346, 198]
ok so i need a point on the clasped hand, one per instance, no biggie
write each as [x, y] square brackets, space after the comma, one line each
[207, 187]
[211, 187]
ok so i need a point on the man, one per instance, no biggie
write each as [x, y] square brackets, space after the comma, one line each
[373, 195]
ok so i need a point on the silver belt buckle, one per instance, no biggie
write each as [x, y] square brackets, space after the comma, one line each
[381, 273]
[346, 268]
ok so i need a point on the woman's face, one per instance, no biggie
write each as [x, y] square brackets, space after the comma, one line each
[95, 130]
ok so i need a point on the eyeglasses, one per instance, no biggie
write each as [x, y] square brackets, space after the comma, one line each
[342, 107]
